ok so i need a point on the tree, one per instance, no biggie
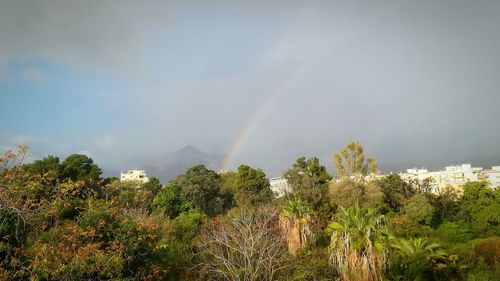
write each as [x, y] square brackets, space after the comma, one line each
[169, 198]
[395, 190]
[229, 182]
[357, 247]
[447, 204]
[12, 159]
[12, 227]
[153, 185]
[347, 192]
[80, 167]
[45, 165]
[419, 209]
[109, 180]
[128, 195]
[246, 246]
[295, 221]
[350, 162]
[481, 207]
[200, 188]
[372, 166]
[67, 252]
[308, 181]
[252, 186]
[454, 232]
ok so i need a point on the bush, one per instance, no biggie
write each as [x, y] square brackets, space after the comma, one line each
[454, 232]
[187, 225]
[310, 264]
[488, 250]
[99, 218]
[12, 226]
[403, 226]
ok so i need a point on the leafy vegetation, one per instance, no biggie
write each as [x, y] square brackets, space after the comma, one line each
[60, 220]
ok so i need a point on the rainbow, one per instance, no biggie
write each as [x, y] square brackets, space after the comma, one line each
[276, 95]
[259, 114]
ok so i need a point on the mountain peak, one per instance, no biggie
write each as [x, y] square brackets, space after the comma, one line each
[184, 158]
[190, 150]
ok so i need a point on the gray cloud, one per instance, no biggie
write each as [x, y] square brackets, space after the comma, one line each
[415, 81]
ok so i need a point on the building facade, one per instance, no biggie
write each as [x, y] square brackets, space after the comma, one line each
[134, 175]
[455, 176]
[492, 176]
[279, 186]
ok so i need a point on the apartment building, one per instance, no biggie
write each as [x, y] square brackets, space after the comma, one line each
[279, 186]
[134, 175]
[455, 176]
[492, 176]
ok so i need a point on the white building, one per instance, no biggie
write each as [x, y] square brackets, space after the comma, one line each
[455, 176]
[134, 175]
[492, 176]
[415, 174]
[279, 186]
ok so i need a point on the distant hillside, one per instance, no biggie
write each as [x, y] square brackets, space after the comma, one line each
[178, 162]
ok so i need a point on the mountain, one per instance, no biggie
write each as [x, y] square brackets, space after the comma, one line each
[178, 162]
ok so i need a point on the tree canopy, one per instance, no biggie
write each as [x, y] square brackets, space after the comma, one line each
[351, 162]
[62, 221]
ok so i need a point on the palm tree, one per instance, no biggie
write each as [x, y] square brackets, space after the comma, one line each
[417, 257]
[357, 247]
[295, 220]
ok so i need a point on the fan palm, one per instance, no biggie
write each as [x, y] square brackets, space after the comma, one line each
[357, 247]
[296, 218]
[416, 257]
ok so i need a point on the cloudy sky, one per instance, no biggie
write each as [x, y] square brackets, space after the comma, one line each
[129, 82]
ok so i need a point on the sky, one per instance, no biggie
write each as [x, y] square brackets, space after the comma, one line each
[261, 82]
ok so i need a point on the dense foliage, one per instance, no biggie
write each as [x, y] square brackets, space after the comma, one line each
[60, 220]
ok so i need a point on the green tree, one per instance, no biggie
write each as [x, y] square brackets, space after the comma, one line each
[188, 224]
[481, 207]
[80, 167]
[454, 232]
[13, 227]
[153, 185]
[45, 165]
[252, 186]
[419, 209]
[228, 187]
[109, 180]
[347, 192]
[447, 204]
[357, 247]
[169, 198]
[309, 181]
[396, 191]
[351, 162]
[200, 188]
[228, 182]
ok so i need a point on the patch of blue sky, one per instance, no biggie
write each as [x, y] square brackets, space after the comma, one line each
[38, 96]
